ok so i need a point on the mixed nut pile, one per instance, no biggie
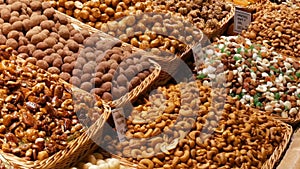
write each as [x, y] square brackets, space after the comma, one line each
[207, 137]
[260, 78]
[205, 14]
[171, 26]
[277, 27]
[154, 31]
[96, 12]
[42, 37]
[38, 116]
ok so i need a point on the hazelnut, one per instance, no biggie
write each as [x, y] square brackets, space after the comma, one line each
[87, 86]
[42, 64]
[57, 62]
[75, 81]
[53, 70]
[65, 76]
[67, 67]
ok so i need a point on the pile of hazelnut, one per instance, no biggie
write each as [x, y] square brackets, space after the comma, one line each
[42, 37]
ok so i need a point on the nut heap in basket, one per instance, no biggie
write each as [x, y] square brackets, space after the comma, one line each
[38, 115]
[233, 137]
[155, 31]
[277, 27]
[110, 70]
[205, 14]
[41, 36]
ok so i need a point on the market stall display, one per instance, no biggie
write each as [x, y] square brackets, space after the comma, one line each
[160, 27]
[112, 10]
[69, 69]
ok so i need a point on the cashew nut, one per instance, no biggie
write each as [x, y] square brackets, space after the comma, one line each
[148, 153]
[148, 133]
[193, 134]
[186, 154]
[146, 163]
[170, 108]
[203, 166]
[135, 153]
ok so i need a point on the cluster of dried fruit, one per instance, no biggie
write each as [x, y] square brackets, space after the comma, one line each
[38, 116]
[204, 135]
[260, 78]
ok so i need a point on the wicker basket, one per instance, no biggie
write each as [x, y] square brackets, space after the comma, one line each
[133, 94]
[278, 152]
[270, 163]
[292, 121]
[223, 25]
[75, 150]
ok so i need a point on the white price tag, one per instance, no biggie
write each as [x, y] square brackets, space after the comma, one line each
[198, 55]
[120, 123]
[242, 20]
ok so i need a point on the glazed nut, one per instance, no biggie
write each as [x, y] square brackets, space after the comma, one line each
[42, 155]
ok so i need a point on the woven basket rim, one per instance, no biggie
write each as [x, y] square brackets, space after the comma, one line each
[144, 85]
[289, 120]
[277, 153]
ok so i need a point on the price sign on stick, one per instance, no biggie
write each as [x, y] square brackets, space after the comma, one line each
[242, 19]
[120, 123]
